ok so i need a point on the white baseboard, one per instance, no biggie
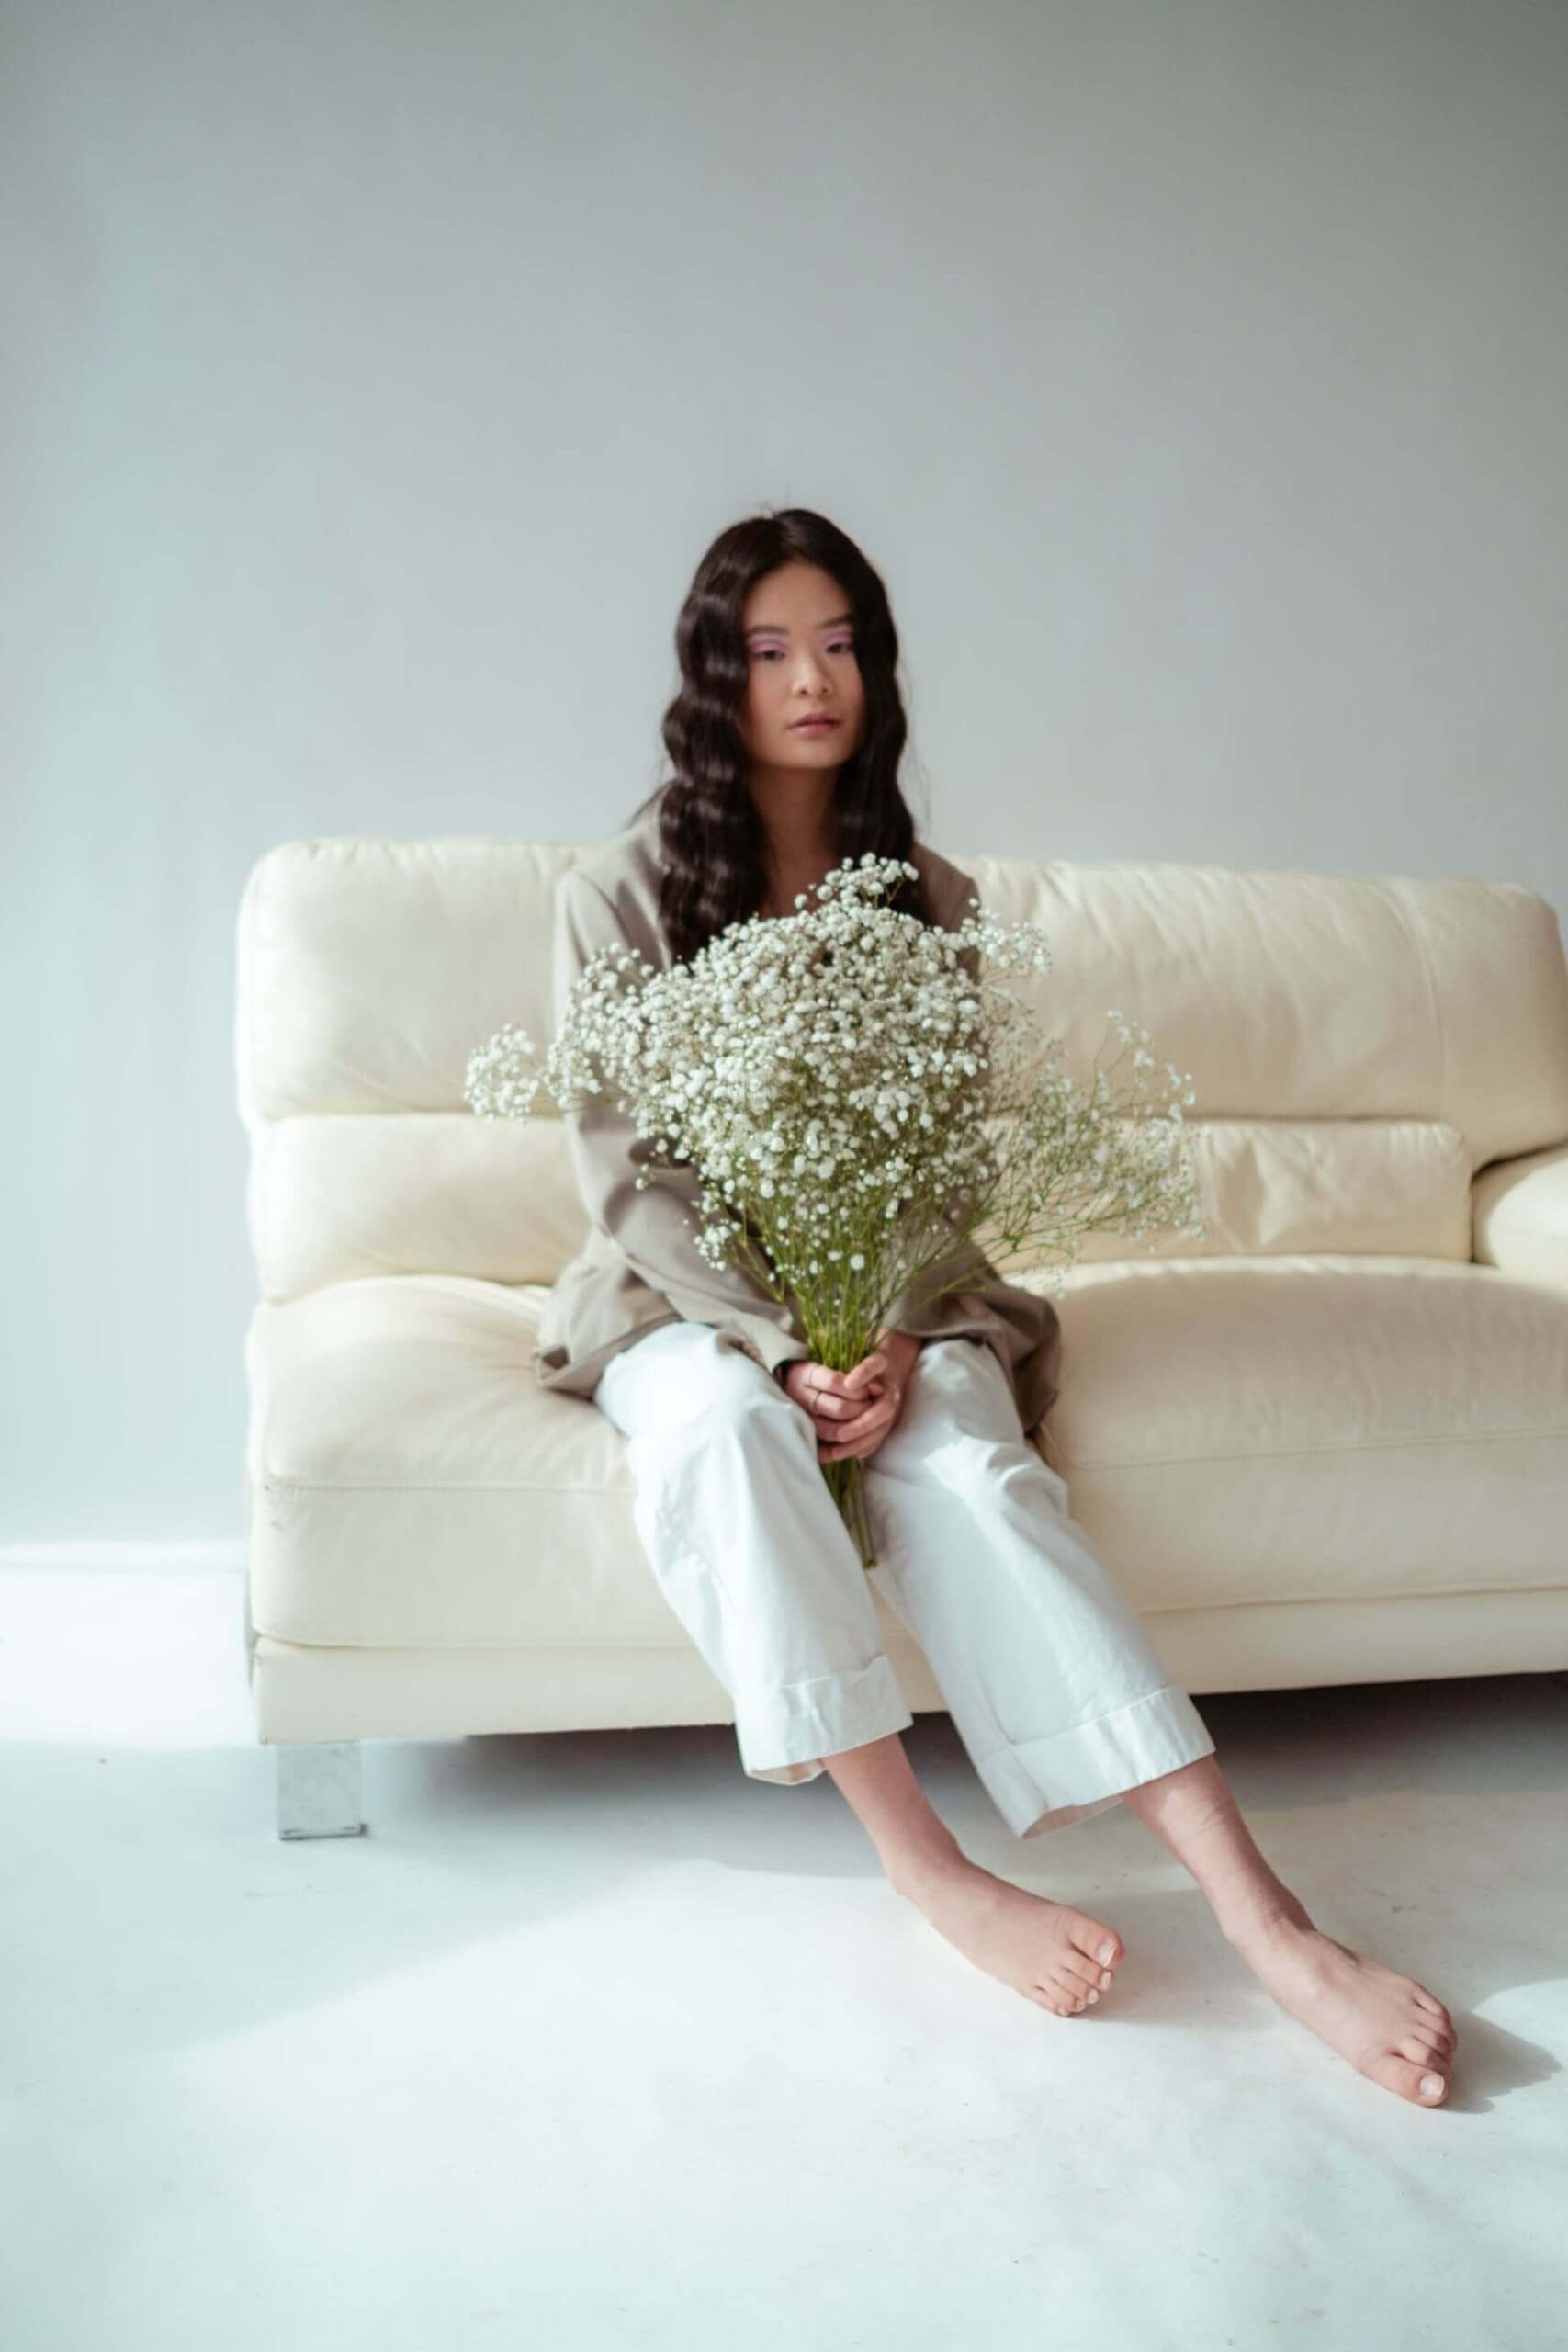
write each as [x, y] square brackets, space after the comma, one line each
[194, 1555]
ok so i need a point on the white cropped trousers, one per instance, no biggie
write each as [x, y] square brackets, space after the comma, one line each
[1052, 1683]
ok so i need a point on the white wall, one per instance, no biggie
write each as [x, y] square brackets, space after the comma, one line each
[377, 374]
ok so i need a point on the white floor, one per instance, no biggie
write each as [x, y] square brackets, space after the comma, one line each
[591, 2041]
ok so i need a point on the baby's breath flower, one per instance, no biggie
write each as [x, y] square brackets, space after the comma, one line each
[775, 1069]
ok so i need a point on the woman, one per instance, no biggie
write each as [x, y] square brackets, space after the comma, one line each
[785, 739]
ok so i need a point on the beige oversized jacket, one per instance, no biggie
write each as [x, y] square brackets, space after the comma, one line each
[641, 1266]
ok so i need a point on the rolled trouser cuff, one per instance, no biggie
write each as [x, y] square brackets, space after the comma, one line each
[784, 1733]
[1043, 1785]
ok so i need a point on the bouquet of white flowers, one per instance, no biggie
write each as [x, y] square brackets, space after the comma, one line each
[857, 1102]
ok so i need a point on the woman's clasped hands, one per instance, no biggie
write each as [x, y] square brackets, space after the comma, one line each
[852, 1412]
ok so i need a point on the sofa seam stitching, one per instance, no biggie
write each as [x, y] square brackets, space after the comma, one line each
[1080, 1461]
[593, 1647]
[1415, 935]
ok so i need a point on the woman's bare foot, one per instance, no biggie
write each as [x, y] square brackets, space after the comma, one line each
[1390, 2028]
[1058, 1957]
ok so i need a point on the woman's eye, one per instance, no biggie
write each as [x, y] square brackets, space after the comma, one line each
[767, 652]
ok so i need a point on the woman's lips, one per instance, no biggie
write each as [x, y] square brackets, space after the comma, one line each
[811, 726]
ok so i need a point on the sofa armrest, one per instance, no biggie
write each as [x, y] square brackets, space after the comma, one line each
[1519, 1215]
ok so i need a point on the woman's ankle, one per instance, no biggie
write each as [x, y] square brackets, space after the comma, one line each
[1259, 1913]
[912, 1869]
[877, 1782]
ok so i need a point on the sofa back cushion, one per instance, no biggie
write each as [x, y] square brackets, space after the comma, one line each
[1358, 1047]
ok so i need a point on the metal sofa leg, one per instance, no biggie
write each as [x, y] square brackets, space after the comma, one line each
[319, 1789]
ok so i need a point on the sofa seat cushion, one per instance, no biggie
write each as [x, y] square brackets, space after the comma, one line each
[1315, 1428]
[1232, 1430]
[411, 1484]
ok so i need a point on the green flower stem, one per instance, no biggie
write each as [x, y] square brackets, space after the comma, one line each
[846, 1481]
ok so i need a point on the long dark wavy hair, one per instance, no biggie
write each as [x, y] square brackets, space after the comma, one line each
[713, 842]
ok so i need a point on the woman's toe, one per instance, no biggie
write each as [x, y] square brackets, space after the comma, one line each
[1422, 2051]
[1424, 2082]
[1101, 1947]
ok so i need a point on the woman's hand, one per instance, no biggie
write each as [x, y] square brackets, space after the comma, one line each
[853, 1412]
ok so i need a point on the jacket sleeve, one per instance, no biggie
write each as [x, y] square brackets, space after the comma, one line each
[1023, 1330]
[654, 1228]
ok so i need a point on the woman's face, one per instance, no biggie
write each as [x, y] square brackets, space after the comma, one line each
[801, 663]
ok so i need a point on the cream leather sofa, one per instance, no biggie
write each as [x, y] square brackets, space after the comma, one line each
[1328, 1444]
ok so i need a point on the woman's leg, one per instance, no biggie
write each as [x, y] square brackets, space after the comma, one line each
[748, 1548]
[1052, 1681]
[1388, 2026]
[1057, 1956]
[1055, 1688]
